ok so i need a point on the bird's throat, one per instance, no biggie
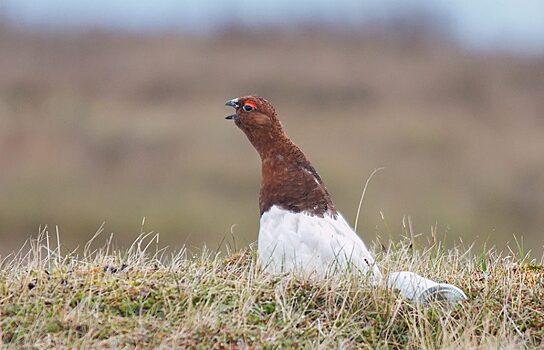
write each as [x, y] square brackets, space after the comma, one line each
[289, 181]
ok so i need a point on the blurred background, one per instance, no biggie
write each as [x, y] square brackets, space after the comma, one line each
[112, 111]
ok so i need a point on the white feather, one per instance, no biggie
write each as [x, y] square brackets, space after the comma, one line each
[414, 287]
[322, 246]
[300, 242]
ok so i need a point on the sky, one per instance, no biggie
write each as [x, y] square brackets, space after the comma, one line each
[506, 24]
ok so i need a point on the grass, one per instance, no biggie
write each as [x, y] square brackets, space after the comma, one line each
[145, 297]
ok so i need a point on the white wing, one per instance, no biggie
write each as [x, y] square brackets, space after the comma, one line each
[298, 242]
[315, 246]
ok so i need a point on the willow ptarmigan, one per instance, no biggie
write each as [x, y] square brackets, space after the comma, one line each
[300, 229]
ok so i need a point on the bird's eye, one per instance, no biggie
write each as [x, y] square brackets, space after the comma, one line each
[248, 107]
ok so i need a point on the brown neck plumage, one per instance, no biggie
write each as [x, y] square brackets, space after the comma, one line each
[288, 180]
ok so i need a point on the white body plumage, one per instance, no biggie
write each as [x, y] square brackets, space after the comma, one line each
[310, 244]
[315, 246]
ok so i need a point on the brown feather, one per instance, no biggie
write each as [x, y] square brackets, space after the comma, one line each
[288, 180]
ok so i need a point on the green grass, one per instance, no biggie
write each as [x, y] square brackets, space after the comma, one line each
[144, 297]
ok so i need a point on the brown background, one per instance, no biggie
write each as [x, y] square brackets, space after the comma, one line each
[106, 126]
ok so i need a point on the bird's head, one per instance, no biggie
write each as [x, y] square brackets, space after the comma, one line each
[257, 118]
[252, 113]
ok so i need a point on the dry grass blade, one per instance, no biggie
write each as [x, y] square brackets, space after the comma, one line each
[143, 298]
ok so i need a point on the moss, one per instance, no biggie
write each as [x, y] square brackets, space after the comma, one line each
[212, 303]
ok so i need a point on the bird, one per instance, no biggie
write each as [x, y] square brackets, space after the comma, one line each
[300, 230]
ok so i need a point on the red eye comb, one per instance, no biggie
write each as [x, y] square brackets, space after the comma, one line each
[250, 103]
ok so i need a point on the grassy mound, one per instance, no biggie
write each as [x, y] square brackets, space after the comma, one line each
[136, 298]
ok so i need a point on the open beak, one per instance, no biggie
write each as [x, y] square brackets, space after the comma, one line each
[235, 104]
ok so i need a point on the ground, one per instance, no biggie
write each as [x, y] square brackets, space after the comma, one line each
[145, 297]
